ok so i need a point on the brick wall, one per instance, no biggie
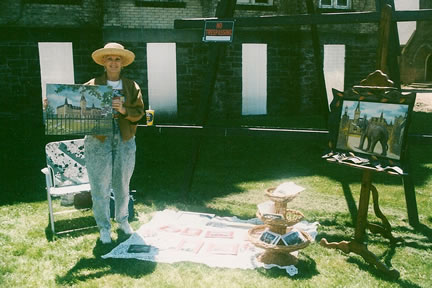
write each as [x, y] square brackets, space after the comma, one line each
[191, 59]
[25, 13]
[291, 63]
[126, 14]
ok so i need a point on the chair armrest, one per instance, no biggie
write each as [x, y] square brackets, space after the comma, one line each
[45, 171]
[48, 177]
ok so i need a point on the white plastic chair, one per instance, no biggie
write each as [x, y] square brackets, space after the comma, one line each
[65, 173]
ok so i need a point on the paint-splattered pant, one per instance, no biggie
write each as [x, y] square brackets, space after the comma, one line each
[109, 164]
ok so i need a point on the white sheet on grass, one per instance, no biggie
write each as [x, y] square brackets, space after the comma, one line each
[177, 236]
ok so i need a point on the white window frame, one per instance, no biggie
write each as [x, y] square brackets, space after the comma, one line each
[254, 79]
[56, 64]
[334, 4]
[162, 77]
[253, 2]
[334, 68]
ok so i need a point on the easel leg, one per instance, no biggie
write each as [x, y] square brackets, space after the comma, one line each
[411, 201]
[385, 228]
[362, 250]
[356, 246]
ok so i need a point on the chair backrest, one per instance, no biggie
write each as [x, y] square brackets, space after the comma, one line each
[66, 161]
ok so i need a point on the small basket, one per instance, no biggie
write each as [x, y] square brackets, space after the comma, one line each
[271, 221]
[292, 217]
[280, 202]
[275, 225]
[255, 233]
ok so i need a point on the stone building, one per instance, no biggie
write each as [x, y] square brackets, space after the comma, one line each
[416, 58]
[68, 110]
[290, 79]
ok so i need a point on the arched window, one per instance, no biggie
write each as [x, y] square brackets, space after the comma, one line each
[428, 68]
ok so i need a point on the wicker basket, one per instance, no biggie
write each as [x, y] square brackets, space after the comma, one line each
[270, 220]
[280, 202]
[275, 225]
[292, 217]
[255, 233]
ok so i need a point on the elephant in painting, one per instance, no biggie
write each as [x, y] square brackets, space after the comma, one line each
[374, 133]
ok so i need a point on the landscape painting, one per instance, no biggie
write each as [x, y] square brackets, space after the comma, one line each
[373, 128]
[72, 109]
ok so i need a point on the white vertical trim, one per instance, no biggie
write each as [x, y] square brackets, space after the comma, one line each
[56, 63]
[254, 79]
[162, 77]
[334, 68]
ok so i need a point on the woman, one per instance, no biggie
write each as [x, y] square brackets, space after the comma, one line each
[110, 159]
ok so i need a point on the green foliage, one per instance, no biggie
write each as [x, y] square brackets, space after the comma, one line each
[92, 90]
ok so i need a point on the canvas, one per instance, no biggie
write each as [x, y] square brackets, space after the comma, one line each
[373, 122]
[78, 110]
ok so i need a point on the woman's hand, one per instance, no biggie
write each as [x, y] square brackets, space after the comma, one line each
[117, 104]
[45, 104]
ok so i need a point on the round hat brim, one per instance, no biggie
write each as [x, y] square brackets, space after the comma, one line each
[127, 56]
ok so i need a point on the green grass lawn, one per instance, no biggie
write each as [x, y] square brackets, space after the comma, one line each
[230, 179]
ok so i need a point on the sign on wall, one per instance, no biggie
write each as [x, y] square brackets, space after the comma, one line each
[218, 31]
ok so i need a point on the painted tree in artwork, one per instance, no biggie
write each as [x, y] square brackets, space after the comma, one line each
[50, 110]
[94, 91]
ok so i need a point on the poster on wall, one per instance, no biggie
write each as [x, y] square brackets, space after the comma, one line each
[72, 109]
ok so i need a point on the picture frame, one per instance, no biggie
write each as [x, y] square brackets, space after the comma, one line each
[74, 109]
[294, 237]
[139, 248]
[371, 121]
[269, 237]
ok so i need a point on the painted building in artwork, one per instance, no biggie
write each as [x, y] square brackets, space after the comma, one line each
[68, 110]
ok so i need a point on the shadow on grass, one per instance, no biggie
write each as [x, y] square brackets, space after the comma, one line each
[224, 162]
[75, 227]
[162, 158]
[96, 267]
[379, 275]
[351, 203]
[425, 230]
[306, 266]
[411, 236]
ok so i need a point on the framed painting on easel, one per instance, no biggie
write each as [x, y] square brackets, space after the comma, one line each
[371, 121]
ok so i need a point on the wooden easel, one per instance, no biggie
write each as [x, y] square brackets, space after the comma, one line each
[357, 245]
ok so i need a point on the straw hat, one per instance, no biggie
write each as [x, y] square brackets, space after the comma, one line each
[113, 49]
